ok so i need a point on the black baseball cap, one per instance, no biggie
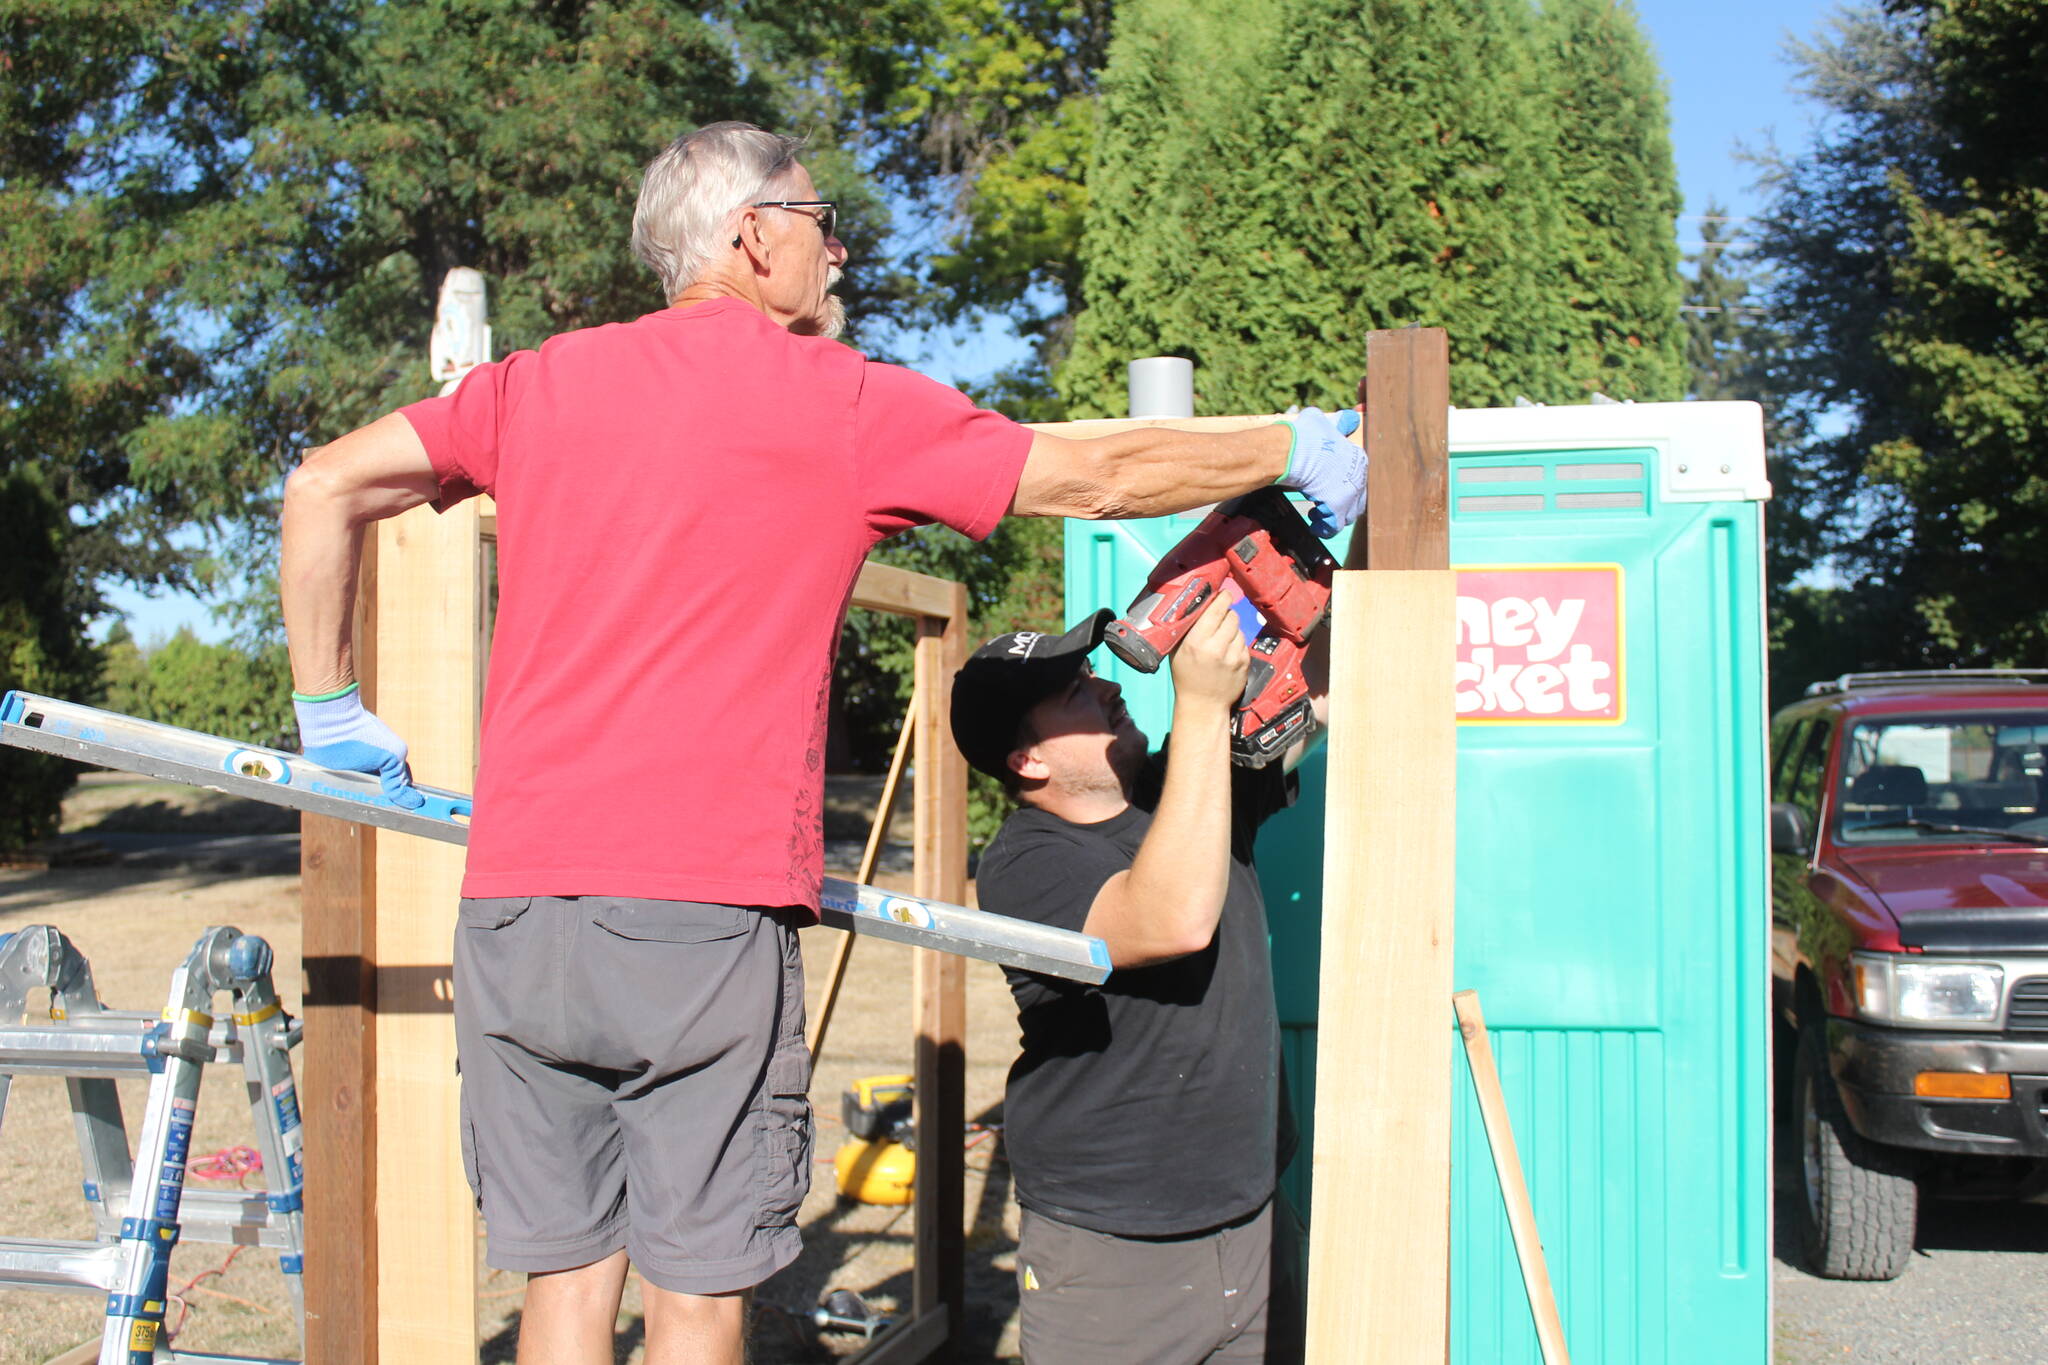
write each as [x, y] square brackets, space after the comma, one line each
[1006, 678]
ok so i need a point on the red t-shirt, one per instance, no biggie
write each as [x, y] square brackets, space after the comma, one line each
[684, 503]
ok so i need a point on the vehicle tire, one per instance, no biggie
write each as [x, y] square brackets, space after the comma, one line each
[1858, 1202]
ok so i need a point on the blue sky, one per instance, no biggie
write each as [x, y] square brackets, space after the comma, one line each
[1729, 85]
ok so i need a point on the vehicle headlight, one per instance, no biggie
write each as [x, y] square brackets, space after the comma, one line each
[1898, 990]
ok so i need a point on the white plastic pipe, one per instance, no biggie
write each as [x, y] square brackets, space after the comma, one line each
[1162, 386]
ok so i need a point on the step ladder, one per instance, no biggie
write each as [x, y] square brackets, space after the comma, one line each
[142, 1209]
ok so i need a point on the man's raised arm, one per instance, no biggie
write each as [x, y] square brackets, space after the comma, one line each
[377, 471]
[1153, 471]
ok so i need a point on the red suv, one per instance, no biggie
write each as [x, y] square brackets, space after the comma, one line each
[1909, 950]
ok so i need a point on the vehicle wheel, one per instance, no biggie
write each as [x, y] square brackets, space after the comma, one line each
[1858, 1201]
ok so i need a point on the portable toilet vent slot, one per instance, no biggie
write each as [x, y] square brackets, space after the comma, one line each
[1606, 485]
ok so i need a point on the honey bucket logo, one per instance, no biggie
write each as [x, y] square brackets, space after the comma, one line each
[1540, 644]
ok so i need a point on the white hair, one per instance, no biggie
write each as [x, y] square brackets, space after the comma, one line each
[691, 191]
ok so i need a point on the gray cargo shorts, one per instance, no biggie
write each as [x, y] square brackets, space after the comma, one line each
[634, 1076]
[1088, 1298]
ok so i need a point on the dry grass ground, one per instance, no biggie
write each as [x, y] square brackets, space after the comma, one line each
[136, 923]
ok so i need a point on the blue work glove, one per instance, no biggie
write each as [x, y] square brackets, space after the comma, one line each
[336, 732]
[1322, 464]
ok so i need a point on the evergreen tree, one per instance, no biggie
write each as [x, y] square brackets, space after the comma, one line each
[980, 115]
[1720, 315]
[1618, 197]
[228, 224]
[1967, 340]
[41, 648]
[1910, 249]
[1273, 182]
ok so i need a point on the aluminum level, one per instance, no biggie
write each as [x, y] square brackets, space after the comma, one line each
[111, 740]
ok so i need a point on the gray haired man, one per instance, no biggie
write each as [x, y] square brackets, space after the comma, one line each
[683, 503]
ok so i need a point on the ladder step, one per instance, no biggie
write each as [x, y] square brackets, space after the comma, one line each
[73, 1267]
[93, 1046]
[230, 1216]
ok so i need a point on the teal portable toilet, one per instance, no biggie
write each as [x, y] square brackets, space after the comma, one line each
[1612, 903]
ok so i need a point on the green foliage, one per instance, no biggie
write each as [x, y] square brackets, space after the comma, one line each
[1013, 583]
[219, 689]
[1735, 350]
[1618, 195]
[1275, 180]
[980, 114]
[1722, 319]
[1911, 247]
[41, 649]
[240, 216]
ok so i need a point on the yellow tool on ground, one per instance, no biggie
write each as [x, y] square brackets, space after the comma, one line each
[875, 1165]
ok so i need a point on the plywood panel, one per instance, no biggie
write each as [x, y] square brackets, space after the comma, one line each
[429, 604]
[1379, 1245]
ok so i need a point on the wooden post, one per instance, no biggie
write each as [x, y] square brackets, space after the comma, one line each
[1407, 432]
[1379, 1246]
[338, 1084]
[939, 1278]
[430, 603]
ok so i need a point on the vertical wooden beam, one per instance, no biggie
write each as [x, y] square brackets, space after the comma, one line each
[1379, 1246]
[429, 601]
[1407, 432]
[938, 1280]
[338, 1084]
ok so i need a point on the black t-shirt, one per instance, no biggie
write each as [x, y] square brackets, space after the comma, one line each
[1145, 1106]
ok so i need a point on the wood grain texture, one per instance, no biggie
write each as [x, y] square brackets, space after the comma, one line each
[883, 587]
[338, 1080]
[1514, 1189]
[1379, 1246]
[1407, 435]
[338, 1059]
[938, 1279]
[430, 597]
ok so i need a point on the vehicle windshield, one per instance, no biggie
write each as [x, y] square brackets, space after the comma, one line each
[1945, 779]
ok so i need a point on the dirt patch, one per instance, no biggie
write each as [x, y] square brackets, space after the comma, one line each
[136, 923]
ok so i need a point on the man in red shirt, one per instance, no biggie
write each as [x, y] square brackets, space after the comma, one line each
[683, 504]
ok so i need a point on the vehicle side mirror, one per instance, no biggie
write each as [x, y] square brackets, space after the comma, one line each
[1789, 833]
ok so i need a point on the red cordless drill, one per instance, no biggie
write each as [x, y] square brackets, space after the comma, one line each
[1283, 569]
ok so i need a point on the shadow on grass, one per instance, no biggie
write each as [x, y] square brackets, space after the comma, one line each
[29, 893]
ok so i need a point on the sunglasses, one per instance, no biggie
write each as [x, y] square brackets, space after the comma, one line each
[826, 221]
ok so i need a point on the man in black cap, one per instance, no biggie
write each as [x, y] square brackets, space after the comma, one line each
[1141, 1118]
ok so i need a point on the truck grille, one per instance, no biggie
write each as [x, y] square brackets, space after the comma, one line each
[2028, 1010]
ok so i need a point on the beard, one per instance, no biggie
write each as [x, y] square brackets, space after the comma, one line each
[834, 321]
[831, 317]
[1128, 753]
